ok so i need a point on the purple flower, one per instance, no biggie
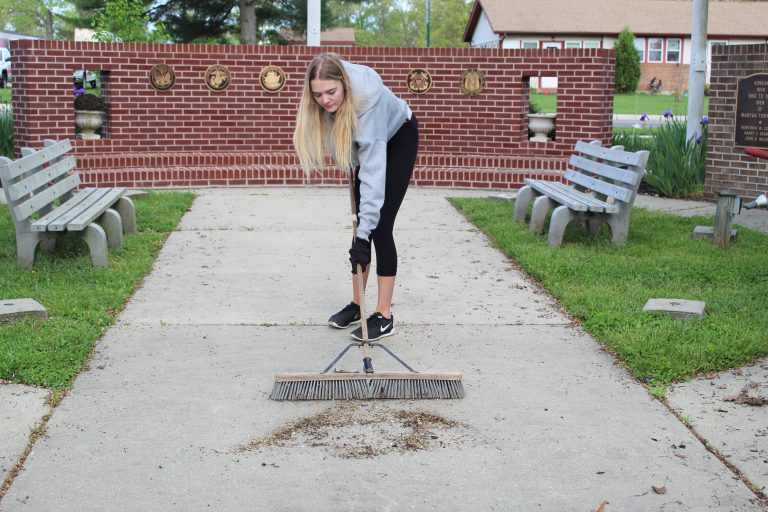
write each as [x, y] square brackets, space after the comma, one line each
[699, 139]
[705, 121]
[78, 91]
[644, 117]
[668, 113]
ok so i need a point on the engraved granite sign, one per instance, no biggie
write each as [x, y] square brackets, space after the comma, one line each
[752, 111]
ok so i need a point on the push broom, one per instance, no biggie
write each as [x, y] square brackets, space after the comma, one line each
[342, 385]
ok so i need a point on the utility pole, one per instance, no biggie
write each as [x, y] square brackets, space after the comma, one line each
[697, 74]
[427, 23]
[313, 22]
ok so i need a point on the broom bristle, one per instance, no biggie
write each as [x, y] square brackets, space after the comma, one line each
[360, 386]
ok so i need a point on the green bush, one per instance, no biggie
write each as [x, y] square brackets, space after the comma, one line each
[676, 165]
[6, 134]
[627, 62]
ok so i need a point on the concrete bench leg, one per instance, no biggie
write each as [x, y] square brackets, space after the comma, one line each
[594, 225]
[113, 227]
[541, 207]
[96, 239]
[48, 243]
[561, 217]
[524, 197]
[127, 211]
[619, 225]
[26, 245]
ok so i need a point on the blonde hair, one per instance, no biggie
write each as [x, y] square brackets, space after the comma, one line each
[312, 125]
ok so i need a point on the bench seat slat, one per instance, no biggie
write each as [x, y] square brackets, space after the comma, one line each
[39, 179]
[619, 156]
[95, 209]
[58, 219]
[18, 167]
[41, 199]
[619, 193]
[570, 197]
[628, 176]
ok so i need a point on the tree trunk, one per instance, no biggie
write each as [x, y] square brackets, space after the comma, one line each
[49, 24]
[247, 21]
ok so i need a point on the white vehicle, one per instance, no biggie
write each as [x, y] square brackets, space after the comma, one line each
[91, 79]
[5, 67]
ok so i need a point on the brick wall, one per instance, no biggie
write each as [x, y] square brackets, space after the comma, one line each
[243, 134]
[727, 165]
[674, 77]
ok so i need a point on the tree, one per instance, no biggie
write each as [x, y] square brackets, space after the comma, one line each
[257, 21]
[398, 23]
[42, 18]
[127, 21]
[84, 13]
[627, 62]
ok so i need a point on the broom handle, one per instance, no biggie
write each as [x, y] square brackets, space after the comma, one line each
[367, 363]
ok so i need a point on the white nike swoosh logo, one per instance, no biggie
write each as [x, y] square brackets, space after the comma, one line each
[384, 328]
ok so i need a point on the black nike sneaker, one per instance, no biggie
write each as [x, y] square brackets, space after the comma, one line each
[378, 327]
[346, 317]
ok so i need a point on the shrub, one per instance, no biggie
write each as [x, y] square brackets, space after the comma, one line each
[627, 62]
[90, 102]
[6, 133]
[676, 165]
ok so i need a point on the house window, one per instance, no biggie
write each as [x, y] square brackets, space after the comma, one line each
[592, 45]
[572, 45]
[655, 49]
[640, 47]
[530, 45]
[673, 50]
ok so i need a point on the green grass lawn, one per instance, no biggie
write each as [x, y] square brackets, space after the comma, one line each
[605, 287]
[5, 95]
[653, 104]
[82, 300]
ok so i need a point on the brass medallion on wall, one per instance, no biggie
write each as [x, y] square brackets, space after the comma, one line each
[419, 81]
[217, 77]
[472, 82]
[162, 77]
[272, 78]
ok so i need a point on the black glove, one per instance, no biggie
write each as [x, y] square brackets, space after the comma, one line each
[360, 252]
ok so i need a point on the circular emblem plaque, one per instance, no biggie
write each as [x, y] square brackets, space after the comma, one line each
[217, 78]
[419, 81]
[472, 82]
[162, 77]
[272, 78]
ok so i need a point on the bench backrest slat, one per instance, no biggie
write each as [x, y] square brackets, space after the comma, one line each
[633, 159]
[630, 177]
[39, 180]
[619, 193]
[39, 201]
[12, 170]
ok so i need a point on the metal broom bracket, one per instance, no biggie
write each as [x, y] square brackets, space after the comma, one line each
[360, 344]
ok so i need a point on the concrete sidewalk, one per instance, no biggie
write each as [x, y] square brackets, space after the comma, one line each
[173, 413]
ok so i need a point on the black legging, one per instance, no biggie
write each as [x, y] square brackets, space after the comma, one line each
[401, 157]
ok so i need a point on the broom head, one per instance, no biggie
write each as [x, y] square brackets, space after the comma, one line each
[366, 386]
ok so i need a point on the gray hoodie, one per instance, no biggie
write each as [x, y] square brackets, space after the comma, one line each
[380, 115]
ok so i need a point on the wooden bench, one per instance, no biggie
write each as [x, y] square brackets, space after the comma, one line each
[605, 183]
[41, 192]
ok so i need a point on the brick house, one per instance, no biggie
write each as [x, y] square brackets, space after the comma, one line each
[662, 30]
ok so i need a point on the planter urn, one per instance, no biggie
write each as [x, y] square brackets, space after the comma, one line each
[541, 125]
[89, 121]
